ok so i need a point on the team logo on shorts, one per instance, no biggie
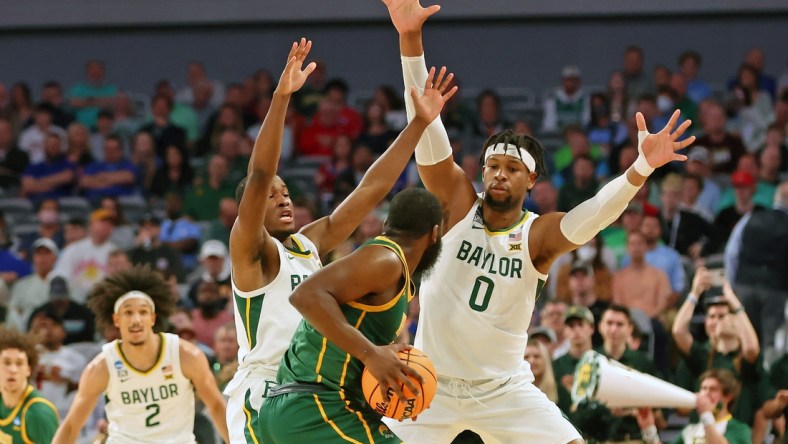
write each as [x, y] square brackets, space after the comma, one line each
[386, 432]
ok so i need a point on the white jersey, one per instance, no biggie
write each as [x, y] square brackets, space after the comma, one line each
[477, 303]
[264, 319]
[156, 406]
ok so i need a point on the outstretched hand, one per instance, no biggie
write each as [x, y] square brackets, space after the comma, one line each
[660, 148]
[293, 77]
[409, 15]
[430, 103]
[389, 370]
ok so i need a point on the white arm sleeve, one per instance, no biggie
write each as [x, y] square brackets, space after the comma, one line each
[434, 145]
[584, 221]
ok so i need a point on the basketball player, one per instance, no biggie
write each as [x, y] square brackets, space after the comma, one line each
[148, 378]
[25, 416]
[268, 263]
[476, 307]
[353, 311]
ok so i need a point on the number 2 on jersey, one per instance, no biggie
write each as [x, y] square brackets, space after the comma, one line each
[150, 421]
[485, 299]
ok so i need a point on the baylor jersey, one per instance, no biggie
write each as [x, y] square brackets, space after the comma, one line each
[311, 358]
[156, 406]
[477, 303]
[32, 420]
[264, 319]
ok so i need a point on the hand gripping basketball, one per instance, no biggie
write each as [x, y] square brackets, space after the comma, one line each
[412, 379]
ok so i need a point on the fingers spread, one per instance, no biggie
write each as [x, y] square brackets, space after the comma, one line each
[684, 143]
[641, 121]
[672, 122]
[436, 84]
[430, 76]
[446, 82]
[309, 68]
[680, 130]
[450, 94]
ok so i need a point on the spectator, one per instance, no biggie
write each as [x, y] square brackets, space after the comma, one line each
[84, 262]
[202, 106]
[180, 233]
[79, 150]
[225, 347]
[617, 96]
[126, 120]
[725, 148]
[89, 97]
[74, 230]
[143, 156]
[308, 98]
[104, 124]
[13, 161]
[640, 285]
[78, 321]
[718, 391]
[660, 256]
[567, 105]
[394, 107]
[336, 90]
[318, 138]
[123, 235]
[544, 196]
[49, 227]
[601, 261]
[683, 102]
[699, 163]
[770, 159]
[602, 130]
[489, 118]
[162, 130]
[577, 145]
[115, 176]
[215, 268]
[327, 173]
[615, 236]
[755, 58]
[683, 230]
[235, 149]
[377, 135]
[661, 76]
[538, 359]
[582, 285]
[54, 177]
[21, 106]
[227, 119]
[219, 228]
[637, 82]
[753, 107]
[691, 190]
[263, 105]
[581, 187]
[552, 317]
[744, 191]
[59, 365]
[211, 312]
[33, 290]
[764, 191]
[149, 250]
[578, 329]
[348, 180]
[182, 115]
[195, 77]
[756, 261]
[689, 65]
[33, 140]
[202, 201]
[174, 175]
[118, 261]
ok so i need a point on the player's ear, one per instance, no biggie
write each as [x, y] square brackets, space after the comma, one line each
[436, 234]
[115, 320]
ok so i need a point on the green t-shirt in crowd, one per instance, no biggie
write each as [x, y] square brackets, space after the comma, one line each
[736, 432]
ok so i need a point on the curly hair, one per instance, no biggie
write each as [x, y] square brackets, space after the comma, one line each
[14, 339]
[140, 278]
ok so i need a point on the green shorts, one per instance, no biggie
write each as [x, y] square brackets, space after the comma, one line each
[320, 417]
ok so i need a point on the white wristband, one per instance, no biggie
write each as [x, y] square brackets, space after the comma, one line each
[692, 299]
[641, 164]
[707, 418]
[650, 434]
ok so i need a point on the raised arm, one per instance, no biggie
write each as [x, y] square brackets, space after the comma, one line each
[367, 271]
[377, 182]
[248, 239]
[194, 366]
[557, 233]
[92, 384]
[750, 347]
[681, 325]
[440, 174]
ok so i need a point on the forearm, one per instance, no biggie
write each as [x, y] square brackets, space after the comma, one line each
[268, 145]
[58, 179]
[119, 178]
[322, 311]
[410, 44]
[585, 221]
[683, 317]
[218, 412]
[772, 408]
[382, 175]
[749, 338]
[713, 436]
[66, 434]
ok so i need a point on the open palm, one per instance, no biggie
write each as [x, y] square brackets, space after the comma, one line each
[293, 77]
[660, 148]
[429, 104]
[409, 15]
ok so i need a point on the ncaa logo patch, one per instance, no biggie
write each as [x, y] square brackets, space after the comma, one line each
[386, 432]
[17, 421]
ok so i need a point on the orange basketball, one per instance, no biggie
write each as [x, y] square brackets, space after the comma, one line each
[414, 404]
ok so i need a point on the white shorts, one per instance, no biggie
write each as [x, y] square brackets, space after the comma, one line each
[501, 411]
[242, 410]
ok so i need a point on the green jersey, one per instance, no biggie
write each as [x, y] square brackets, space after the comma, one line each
[312, 358]
[32, 420]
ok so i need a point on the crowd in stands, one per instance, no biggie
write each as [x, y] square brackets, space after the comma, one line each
[690, 283]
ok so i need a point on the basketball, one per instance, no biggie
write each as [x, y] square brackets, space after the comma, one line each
[396, 408]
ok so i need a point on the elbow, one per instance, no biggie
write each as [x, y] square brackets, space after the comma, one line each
[298, 300]
[751, 353]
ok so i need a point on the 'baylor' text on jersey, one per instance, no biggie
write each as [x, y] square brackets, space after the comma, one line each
[156, 406]
[477, 303]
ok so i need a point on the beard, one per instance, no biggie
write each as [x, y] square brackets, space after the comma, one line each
[499, 205]
[428, 260]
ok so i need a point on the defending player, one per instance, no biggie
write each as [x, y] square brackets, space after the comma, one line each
[149, 379]
[25, 417]
[353, 310]
[477, 305]
[268, 263]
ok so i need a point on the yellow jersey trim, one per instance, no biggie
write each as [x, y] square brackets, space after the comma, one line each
[159, 359]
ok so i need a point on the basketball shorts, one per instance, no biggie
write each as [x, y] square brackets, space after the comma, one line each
[502, 411]
[245, 400]
[324, 417]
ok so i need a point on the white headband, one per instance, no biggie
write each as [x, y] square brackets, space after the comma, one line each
[507, 149]
[134, 294]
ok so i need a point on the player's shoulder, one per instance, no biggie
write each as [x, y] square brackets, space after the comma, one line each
[37, 407]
